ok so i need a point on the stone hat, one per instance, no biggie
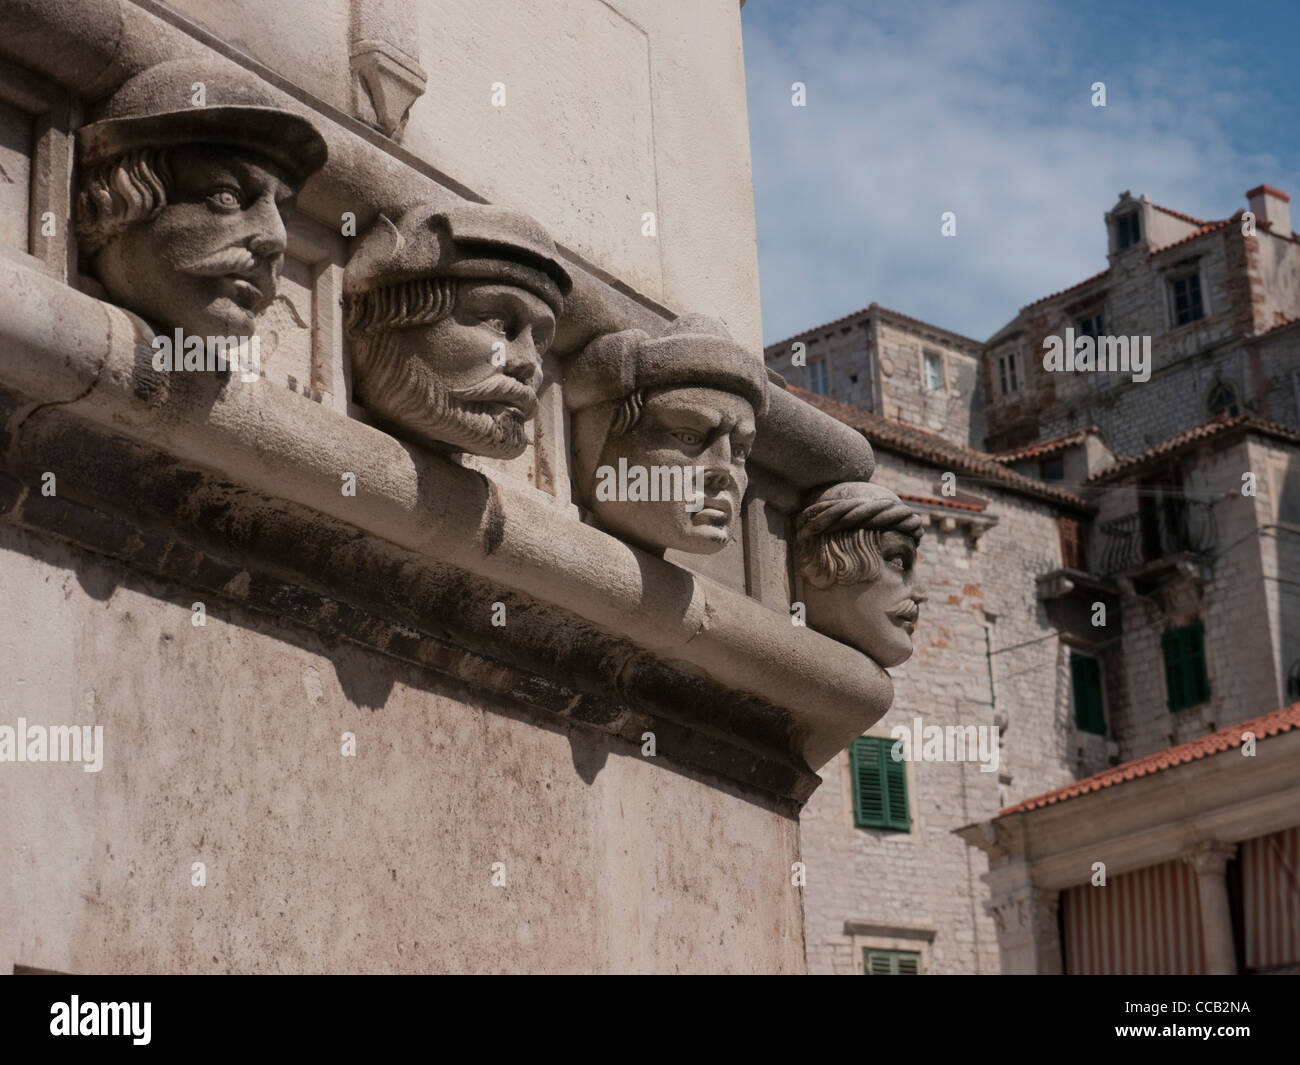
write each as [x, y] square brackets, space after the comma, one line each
[153, 110]
[856, 505]
[469, 240]
[695, 351]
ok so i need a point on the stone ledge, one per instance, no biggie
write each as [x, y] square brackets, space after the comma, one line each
[92, 361]
[865, 928]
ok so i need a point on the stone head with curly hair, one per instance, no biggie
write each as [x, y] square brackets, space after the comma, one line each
[855, 547]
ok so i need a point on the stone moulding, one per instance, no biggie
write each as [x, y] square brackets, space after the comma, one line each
[92, 360]
[90, 47]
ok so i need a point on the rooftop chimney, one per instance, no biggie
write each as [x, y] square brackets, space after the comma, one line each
[1271, 207]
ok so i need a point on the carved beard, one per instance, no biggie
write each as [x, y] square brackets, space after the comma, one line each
[404, 392]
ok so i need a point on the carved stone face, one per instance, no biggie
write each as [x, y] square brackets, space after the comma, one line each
[678, 427]
[209, 261]
[475, 373]
[878, 617]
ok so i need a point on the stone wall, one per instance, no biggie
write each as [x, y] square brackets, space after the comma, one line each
[346, 667]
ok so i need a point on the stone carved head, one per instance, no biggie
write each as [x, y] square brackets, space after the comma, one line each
[855, 545]
[449, 312]
[186, 181]
[654, 408]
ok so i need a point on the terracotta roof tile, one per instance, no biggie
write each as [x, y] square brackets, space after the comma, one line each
[1271, 724]
[1207, 227]
[1180, 215]
[1047, 447]
[930, 447]
[933, 502]
[1188, 437]
[1085, 281]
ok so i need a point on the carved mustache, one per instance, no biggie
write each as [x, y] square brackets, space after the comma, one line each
[235, 260]
[499, 389]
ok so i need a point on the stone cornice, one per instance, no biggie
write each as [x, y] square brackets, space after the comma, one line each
[91, 361]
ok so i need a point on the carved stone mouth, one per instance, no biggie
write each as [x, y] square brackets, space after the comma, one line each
[907, 615]
[716, 511]
[248, 293]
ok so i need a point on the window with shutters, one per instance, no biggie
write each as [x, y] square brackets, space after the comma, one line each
[1074, 543]
[1186, 679]
[1085, 681]
[891, 962]
[879, 785]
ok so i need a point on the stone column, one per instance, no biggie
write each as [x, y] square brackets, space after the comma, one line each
[1028, 938]
[1210, 859]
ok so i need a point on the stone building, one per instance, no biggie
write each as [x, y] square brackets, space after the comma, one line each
[899, 367]
[364, 671]
[1218, 300]
[1161, 668]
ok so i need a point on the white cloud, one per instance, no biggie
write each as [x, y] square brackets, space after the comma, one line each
[979, 108]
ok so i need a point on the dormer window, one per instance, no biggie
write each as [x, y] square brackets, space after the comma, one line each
[1128, 230]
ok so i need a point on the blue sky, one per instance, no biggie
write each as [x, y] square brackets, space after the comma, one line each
[982, 107]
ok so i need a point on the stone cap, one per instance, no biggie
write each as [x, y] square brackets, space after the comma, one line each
[152, 110]
[695, 351]
[465, 240]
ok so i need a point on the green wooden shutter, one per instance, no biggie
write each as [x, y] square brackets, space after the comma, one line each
[891, 962]
[1185, 672]
[1198, 680]
[1085, 681]
[896, 813]
[879, 785]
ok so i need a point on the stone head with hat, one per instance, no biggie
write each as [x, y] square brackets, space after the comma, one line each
[661, 429]
[855, 547]
[186, 178]
[449, 311]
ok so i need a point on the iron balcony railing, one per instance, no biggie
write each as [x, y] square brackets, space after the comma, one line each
[1167, 527]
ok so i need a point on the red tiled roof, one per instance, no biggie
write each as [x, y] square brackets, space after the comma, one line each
[1180, 215]
[937, 450]
[1188, 437]
[1271, 724]
[869, 309]
[1047, 447]
[1206, 227]
[1085, 281]
[931, 501]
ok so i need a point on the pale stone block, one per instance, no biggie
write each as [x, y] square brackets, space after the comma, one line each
[16, 129]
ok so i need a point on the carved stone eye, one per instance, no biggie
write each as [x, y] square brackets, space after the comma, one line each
[497, 325]
[225, 199]
[689, 437]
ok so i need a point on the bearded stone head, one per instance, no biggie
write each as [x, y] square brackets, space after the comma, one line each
[855, 546]
[181, 204]
[449, 312]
